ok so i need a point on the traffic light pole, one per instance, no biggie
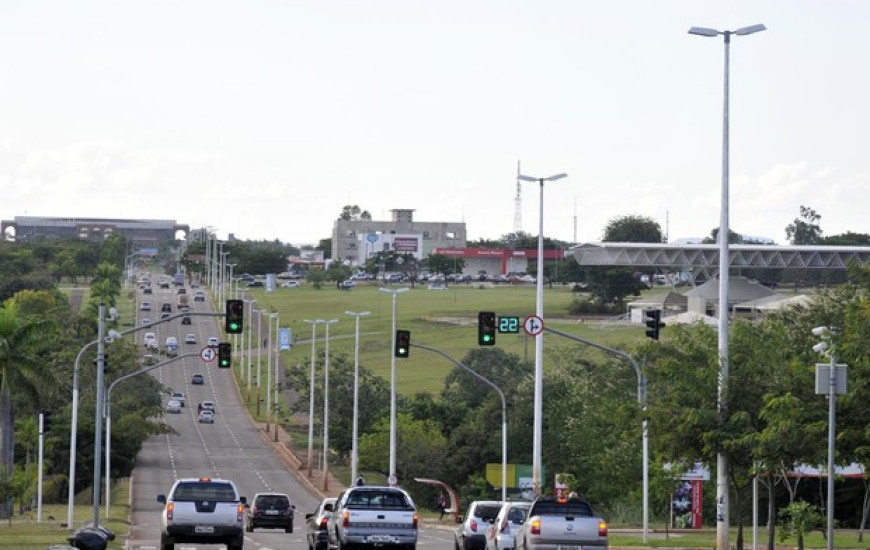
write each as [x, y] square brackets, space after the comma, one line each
[641, 399]
[503, 412]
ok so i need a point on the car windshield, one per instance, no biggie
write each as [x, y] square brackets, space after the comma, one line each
[487, 512]
[568, 508]
[200, 491]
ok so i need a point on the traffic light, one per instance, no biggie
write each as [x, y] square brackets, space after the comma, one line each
[403, 343]
[225, 352]
[486, 328]
[235, 316]
[653, 323]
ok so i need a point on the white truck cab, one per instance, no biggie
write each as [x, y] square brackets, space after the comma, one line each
[202, 510]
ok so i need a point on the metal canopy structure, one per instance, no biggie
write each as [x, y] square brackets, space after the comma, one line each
[704, 258]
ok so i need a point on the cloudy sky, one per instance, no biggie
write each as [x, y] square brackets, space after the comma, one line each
[263, 118]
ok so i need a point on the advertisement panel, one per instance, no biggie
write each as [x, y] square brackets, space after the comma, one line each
[405, 244]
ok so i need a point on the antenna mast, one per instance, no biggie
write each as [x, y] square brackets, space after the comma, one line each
[518, 205]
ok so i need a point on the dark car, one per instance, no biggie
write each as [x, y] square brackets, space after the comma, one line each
[471, 535]
[270, 510]
[255, 284]
[186, 320]
[147, 290]
[316, 524]
[197, 379]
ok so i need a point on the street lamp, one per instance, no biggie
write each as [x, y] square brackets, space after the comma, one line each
[539, 338]
[392, 480]
[354, 449]
[830, 380]
[314, 324]
[326, 407]
[269, 372]
[250, 323]
[722, 500]
[259, 313]
[277, 349]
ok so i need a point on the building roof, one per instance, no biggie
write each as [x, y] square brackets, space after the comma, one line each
[740, 289]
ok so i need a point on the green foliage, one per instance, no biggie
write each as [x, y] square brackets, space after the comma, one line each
[445, 265]
[798, 519]
[633, 229]
[316, 277]
[804, 229]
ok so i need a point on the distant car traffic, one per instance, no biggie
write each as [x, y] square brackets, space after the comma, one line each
[206, 417]
[197, 379]
[177, 396]
[500, 535]
[290, 284]
[253, 284]
[173, 407]
[199, 296]
[212, 341]
[145, 306]
[190, 338]
[205, 406]
[146, 321]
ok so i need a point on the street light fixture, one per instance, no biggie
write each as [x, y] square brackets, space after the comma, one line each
[392, 479]
[326, 407]
[269, 372]
[722, 497]
[354, 449]
[314, 324]
[539, 338]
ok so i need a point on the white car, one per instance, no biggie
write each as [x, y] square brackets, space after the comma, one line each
[171, 341]
[145, 306]
[146, 321]
[173, 407]
[190, 339]
[206, 416]
[290, 284]
[212, 341]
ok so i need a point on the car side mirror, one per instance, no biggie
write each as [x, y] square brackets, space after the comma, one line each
[161, 499]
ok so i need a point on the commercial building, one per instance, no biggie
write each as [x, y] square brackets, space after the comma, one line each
[145, 234]
[497, 261]
[355, 240]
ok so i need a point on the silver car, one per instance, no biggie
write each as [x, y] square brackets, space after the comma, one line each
[173, 407]
[471, 534]
[500, 535]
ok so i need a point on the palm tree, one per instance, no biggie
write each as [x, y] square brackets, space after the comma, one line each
[20, 341]
[106, 285]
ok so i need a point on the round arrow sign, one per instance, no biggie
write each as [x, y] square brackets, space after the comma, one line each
[533, 325]
[207, 354]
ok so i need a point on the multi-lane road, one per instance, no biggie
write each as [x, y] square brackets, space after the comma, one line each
[231, 448]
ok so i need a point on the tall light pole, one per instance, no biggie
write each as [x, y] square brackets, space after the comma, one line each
[326, 407]
[314, 324]
[723, 519]
[277, 349]
[260, 313]
[269, 373]
[392, 479]
[354, 449]
[539, 338]
[250, 324]
[831, 380]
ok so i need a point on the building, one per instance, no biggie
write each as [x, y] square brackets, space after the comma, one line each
[146, 234]
[355, 240]
[497, 261]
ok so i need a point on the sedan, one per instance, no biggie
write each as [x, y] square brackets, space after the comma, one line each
[197, 380]
[146, 321]
[212, 341]
[206, 417]
[173, 407]
[145, 306]
[190, 338]
[316, 525]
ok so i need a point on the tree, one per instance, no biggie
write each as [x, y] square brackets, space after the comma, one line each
[805, 228]
[443, 264]
[20, 342]
[354, 212]
[633, 229]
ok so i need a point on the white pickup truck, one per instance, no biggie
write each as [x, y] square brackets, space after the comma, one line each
[374, 517]
[203, 510]
[561, 524]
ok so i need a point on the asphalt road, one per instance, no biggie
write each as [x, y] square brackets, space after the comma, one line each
[231, 448]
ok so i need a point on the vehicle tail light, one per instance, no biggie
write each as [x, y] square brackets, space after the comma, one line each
[170, 507]
[602, 529]
[504, 526]
[416, 521]
[323, 523]
[240, 513]
[535, 527]
[345, 519]
[473, 526]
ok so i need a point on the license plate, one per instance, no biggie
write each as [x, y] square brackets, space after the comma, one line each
[273, 512]
[566, 547]
[203, 529]
[380, 538]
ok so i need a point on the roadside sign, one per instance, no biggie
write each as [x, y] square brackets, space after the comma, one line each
[392, 481]
[207, 354]
[533, 325]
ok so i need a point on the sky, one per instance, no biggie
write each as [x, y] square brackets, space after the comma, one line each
[263, 118]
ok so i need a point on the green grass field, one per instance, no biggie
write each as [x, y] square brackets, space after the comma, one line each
[444, 319]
